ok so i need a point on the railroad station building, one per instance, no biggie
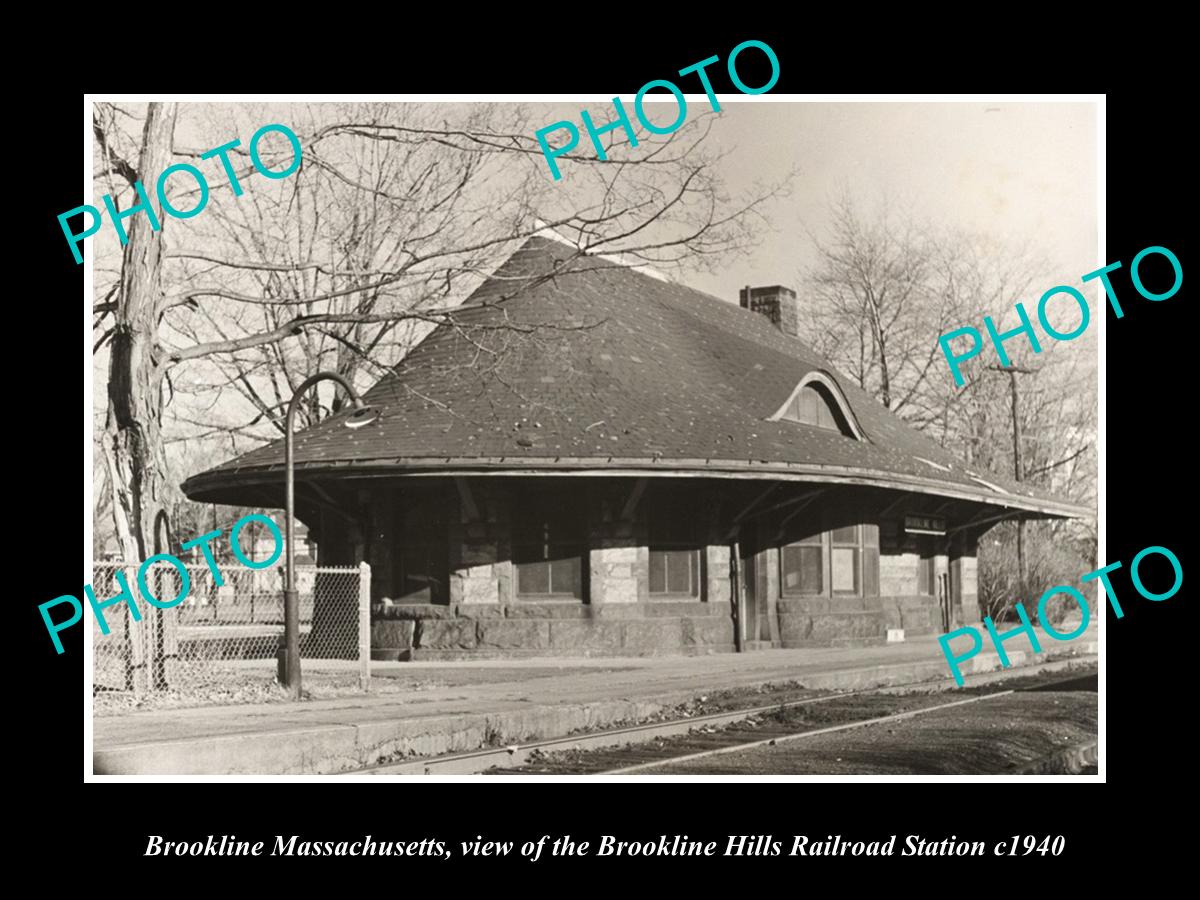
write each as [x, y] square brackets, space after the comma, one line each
[595, 460]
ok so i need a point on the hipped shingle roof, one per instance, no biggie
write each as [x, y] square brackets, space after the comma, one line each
[578, 364]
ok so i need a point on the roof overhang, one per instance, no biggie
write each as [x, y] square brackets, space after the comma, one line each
[214, 485]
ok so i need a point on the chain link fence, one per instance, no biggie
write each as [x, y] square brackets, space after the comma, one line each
[221, 638]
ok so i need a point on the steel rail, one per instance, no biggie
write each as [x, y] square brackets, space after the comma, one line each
[513, 755]
[780, 739]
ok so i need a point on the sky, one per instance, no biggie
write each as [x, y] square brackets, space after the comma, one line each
[1024, 173]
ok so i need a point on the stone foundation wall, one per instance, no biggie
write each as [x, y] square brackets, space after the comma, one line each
[429, 631]
[837, 622]
[915, 613]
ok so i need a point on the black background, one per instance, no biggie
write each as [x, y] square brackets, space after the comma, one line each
[1150, 463]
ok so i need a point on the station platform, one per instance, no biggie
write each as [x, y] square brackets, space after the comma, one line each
[435, 708]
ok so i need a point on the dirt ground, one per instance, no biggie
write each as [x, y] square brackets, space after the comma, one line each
[995, 736]
[1047, 714]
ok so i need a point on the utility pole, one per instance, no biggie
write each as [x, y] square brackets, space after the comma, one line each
[1013, 372]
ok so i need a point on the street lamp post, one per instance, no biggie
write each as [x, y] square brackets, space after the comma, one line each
[290, 663]
[162, 543]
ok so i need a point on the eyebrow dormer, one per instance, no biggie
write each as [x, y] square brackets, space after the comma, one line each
[818, 401]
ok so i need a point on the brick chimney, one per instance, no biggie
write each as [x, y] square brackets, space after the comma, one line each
[777, 303]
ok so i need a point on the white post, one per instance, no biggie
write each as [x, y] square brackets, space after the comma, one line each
[134, 641]
[140, 641]
[364, 625]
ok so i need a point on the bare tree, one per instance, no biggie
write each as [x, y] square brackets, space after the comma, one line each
[870, 292]
[883, 285]
[396, 213]
[132, 439]
[883, 290]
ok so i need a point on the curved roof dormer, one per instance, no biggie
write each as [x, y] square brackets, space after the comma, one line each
[818, 401]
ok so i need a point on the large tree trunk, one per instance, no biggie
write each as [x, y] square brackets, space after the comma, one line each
[132, 440]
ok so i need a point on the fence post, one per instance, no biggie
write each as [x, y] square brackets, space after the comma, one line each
[127, 652]
[140, 647]
[364, 625]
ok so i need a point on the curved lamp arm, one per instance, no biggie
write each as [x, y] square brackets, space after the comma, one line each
[290, 454]
[291, 602]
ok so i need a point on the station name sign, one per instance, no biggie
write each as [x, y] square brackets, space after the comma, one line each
[924, 525]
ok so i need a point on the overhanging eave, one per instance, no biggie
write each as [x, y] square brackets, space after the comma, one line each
[217, 485]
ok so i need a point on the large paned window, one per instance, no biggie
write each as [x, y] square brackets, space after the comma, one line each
[674, 572]
[842, 561]
[845, 559]
[548, 549]
[803, 566]
[675, 562]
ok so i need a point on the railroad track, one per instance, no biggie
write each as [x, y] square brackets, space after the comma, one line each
[771, 734]
[723, 732]
[732, 741]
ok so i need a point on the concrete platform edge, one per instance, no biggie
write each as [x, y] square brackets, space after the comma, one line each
[330, 749]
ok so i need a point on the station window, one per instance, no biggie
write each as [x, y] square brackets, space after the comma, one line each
[548, 550]
[844, 558]
[842, 561]
[803, 565]
[675, 572]
[675, 563]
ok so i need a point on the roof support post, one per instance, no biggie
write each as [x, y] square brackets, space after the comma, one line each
[635, 496]
[468, 499]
